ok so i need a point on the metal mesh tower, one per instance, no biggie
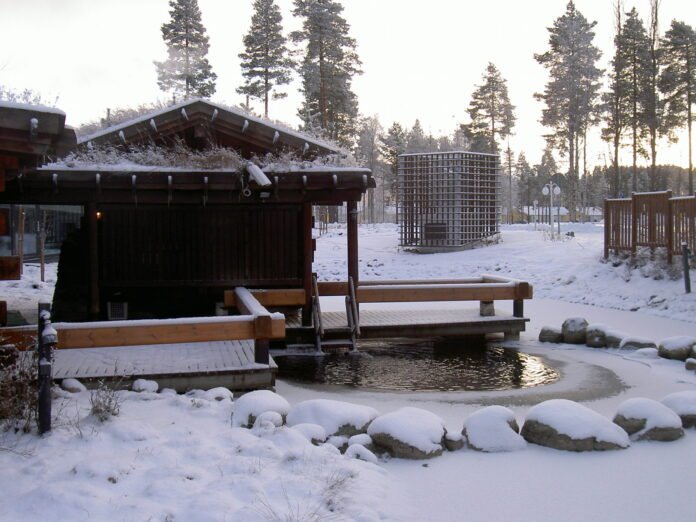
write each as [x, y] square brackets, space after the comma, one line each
[448, 200]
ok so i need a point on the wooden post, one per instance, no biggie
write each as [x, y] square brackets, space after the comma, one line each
[634, 223]
[670, 227]
[46, 340]
[20, 238]
[607, 224]
[352, 222]
[685, 263]
[487, 309]
[518, 307]
[308, 256]
[93, 242]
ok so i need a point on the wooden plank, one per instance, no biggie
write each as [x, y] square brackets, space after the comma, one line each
[10, 268]
[154, 334]
[271, 297]
[420, 293]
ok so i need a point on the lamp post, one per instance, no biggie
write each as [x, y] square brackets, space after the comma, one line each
[551, 190]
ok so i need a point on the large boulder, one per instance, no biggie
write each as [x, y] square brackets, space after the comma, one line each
[684, 405]
[646, 419]
[679, 347]
[614, 338]
[690, 364]
[567, 425]
[574, 330]
[250, 405]
[312, 432]
[493, 429]
[409, 433]
[336, 417]
[549, 334]
[596, 336]
[636, 343]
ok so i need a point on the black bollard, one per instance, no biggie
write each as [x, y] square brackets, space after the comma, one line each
[685, 261]
[46, 341]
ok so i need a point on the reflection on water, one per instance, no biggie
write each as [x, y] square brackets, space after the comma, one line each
[423, 365]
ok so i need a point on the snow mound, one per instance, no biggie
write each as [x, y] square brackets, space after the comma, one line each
[252, 404]
[268, 420]
[360, 452]
[409, 433]
[646, 353]
[567, 425]
[218, 394]
[145, 385]
[336, 417]
[679, 347]
[648, 419]
[636, 343]
[493, 429]
[312, 432]
[683, 404]
[73, 386]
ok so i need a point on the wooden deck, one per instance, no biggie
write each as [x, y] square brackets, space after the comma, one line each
[182, 366]
[425, 323]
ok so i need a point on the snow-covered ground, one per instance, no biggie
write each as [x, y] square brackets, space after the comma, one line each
[171, 457]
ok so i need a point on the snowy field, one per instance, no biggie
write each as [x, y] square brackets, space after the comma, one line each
[168, 457]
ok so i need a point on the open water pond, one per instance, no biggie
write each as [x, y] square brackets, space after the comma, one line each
[423, 365]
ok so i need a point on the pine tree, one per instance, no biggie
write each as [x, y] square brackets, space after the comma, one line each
[327, 70]
[186, 71]
[526, 182]
[416, 140]
[369, 153]
[394, 145]
[653, 102]
[571, 93]
[265, 63]
[491, 113]
[678, 83]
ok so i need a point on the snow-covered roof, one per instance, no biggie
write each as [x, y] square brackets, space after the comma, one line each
[449, 152]
[28, 107]
[217, 109]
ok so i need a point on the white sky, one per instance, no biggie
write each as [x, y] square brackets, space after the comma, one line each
[420, 59]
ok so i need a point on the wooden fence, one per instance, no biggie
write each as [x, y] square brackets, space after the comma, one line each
[650, 219]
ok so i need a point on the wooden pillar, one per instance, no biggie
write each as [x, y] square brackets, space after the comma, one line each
[93, 246]
[308, 258]
[634, 223]
[352, 221]
[607, 224]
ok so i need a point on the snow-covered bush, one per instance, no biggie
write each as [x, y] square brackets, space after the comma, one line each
[105, 400]
[18, 396]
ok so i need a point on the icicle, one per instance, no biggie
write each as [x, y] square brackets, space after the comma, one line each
[214, 116]
[33, 128]
[245, 126]
[122, 136]
[276, 137]
[153, 125]
[183, 113]
[306, 148]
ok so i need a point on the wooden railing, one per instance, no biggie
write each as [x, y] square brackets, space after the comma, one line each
[651, 219]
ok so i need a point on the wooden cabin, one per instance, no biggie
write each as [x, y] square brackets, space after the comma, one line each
[163, 242]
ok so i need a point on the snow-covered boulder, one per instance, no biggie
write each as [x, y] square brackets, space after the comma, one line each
[684, 405]
[646, 419]
[636, 343]
[364, 440]
[453, 441]
[168, 391]
[145, 385]
[72, 386]
[596, 336]
[340, 442]
[493, 429]
[269, 419]
[574, 330]
[690, 364]
[614, 338]
[360, 452]
[567, 425]
[549, 334]
[219, 394]
[409, 433]
[646, 353]
[252, 404]
[336, 417]
[679, 348]
[312, 432]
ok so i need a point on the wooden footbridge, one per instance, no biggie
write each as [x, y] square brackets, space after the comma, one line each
[233, 351]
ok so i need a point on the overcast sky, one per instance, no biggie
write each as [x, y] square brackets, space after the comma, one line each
[421, 59]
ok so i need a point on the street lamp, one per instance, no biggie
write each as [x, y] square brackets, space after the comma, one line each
[551, 190]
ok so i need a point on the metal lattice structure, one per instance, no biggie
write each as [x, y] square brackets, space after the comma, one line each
[448, 200]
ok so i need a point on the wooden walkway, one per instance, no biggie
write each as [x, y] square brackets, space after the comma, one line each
[421, 323]
[182, 366]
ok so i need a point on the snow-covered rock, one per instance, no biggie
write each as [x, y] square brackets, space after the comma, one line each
[252, 404]
[336, 417]
[410, 433]
[360, 452]
[340, 442]
[683, 404]
[549, 334]
[596, 336]
[453, 441]
[574, 330]
[145, 385]
[679, 348]
[646, 419]
[636, 343]
[364, 440]
[219, 394]
[72, 386]
[269, 419]
[646, 353]
[690, 364]
[168, 391]
[493, 429]
[614, 338]
[313, 432]
[567, 425]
